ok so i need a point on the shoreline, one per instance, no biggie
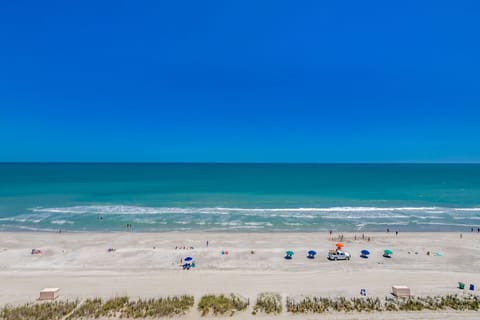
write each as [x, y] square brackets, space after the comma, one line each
[467, 230]
[63, 231]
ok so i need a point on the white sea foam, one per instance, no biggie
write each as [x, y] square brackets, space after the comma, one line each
[24, 219]
[120, 210]
[25, 228]
[145, 221]
[232, 218]
[360, 215]
[446, 224]
[268, 224]
[14, 219]
[467, 218]
[387, 223]
[62, 222]
[182, 222]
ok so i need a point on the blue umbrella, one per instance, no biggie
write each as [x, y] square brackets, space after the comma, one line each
[365, 252]
[312, 252]
[188, 259]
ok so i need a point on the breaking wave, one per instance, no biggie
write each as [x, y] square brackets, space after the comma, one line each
[348, 218]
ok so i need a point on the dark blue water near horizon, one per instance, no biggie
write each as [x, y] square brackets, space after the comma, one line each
[238, 197]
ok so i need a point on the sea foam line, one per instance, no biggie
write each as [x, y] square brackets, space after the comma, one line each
[120, 209]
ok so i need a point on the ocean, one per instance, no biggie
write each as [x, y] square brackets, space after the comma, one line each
[239, 197]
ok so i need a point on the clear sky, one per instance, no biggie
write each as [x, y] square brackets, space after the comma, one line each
[286, 81]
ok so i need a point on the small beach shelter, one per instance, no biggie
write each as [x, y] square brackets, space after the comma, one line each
[289, 254]
[188, 259]
[311, 254]
[401, 291]
[339, 245]
[49, 294]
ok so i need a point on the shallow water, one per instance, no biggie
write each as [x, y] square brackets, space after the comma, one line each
[239, 197]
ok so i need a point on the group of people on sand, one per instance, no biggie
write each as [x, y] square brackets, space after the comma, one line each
[183, 248]
[396, 232]
[341, 237]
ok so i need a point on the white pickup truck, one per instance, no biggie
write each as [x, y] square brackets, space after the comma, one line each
[338, 255]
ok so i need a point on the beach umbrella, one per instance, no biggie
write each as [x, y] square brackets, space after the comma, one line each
[339, 245]
[312, 252]
[289, 253]
[365, 252]
[389, 252]
[187, 259]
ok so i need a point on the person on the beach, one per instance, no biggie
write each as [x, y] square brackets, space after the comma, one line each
[207, 243]
[396, 233]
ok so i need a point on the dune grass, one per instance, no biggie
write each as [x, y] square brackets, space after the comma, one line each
[38, 311]
[341, 304]
[122, 307]
[96, 308]
[162, 307]
[221, 304]
[268, 302]
[228, 305]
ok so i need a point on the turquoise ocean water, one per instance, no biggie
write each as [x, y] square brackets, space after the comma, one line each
[239, 197]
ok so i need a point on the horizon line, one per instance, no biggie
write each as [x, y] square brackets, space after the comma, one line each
[236, 162]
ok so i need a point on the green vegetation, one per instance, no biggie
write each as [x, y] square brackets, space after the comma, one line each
[320, 305]
[268, 303]
[122, 307]
[220, 305]
[38, 311]
[165, 307]
[96, 308]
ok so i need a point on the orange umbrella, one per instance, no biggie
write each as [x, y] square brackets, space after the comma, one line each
[339, 245]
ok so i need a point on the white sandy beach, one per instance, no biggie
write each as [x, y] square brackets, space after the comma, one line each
[148, 265]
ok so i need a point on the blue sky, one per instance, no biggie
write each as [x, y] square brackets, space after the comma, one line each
[274, 81]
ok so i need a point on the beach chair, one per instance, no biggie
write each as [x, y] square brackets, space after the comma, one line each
[461, 285]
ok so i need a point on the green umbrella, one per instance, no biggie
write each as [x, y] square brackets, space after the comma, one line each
[388, 251]
[289, 253]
